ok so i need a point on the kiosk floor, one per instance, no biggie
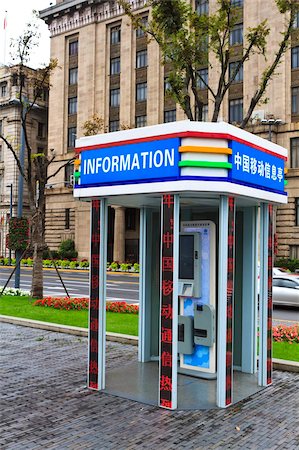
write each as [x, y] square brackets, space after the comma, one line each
[139, 382]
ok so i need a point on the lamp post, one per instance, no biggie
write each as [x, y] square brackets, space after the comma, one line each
[10, 215]
[271, 123]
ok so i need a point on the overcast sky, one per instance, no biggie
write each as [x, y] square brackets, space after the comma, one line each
[19, 13]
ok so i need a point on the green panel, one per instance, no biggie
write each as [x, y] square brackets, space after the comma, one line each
[210, 164]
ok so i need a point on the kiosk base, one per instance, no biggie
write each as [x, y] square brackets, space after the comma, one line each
[139, 382]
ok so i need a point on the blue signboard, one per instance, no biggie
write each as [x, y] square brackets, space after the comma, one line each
[132, 162]
[257, 167]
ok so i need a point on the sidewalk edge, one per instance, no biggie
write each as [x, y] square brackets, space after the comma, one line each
[59, 328]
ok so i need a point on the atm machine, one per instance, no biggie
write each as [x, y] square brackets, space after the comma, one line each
[197, 299]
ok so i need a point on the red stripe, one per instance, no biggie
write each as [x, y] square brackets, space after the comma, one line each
[199, 134]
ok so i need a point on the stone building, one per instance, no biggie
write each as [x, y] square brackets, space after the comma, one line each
[109, 68]
[10, 128]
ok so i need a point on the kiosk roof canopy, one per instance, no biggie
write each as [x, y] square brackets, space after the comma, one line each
[185, 156]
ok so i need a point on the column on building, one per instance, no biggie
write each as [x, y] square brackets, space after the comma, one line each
[119, 234]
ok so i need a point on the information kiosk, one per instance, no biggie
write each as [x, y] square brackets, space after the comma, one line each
[206, 194]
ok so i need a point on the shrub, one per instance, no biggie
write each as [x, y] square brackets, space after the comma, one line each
[67, 249]
[136, 267]
[47, 262]
[73, 264]
[29, 262]
[114, 266]
[64, 264]
[83, 264]
[14, 292]
[286, 334]
[67, 303]
[290, 264]
[125, 267]
[122, 307]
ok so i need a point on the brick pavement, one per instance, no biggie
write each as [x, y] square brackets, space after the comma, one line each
[45, 405]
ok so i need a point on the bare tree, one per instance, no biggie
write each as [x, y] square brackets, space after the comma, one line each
[31, 85]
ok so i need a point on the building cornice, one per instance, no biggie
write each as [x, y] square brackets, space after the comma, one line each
[71, 15]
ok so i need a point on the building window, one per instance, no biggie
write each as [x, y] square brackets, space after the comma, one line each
[114, 125]
[295, 57]
[203, 78]
[167, 86]
[141, 59]
[239, 76]
[40, 130]
[296, 20]
[69, 175]
[141, 92]
[202, 6]
[114, 97]
[71, 136]
[1, 153]
[294, 251]
[73, 76]
[205, 111]
[295, 100]
[236, 110]
[139, 32]
[170, 116]
[73, 48]
[236, 3]
[72, 105]
[294, 160]
[297, 212]
[115, 66]
[115, 35]
[130, 219]
[1, 126]
[67, 218]
[236, 35]
[3, 89]
[140, 121]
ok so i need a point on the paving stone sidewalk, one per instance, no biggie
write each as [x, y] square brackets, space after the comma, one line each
[45, 405]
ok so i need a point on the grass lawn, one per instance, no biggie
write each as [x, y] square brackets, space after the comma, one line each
[284, 350]
[23, 307]
[116, 322]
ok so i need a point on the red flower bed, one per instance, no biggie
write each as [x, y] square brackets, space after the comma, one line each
[286, 334]
[83, 303]
[63, 303]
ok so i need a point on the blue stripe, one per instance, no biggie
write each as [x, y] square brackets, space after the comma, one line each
[184, 178]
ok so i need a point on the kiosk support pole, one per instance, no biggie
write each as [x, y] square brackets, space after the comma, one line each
[169, 302]
[142, 287]
[265, 356]
[225, 301]
[97, 306]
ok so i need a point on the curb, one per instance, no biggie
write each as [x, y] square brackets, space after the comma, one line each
[278, 364]
[59, 328]
[112, 272]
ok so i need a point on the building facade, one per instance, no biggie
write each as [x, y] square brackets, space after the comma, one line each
[110, 69]
[10, 128]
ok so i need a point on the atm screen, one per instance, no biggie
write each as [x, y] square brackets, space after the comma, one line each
[186, 251]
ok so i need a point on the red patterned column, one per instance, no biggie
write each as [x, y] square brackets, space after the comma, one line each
[270, 275]
[229, 300]
[166, 337]
[93, 344]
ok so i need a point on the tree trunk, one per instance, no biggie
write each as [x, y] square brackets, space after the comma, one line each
[38, 244]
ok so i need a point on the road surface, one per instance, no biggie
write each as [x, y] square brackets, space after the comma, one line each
[119, 287]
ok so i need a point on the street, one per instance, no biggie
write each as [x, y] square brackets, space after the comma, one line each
[119, 287]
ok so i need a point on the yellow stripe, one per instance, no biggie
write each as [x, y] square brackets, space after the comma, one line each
[195, 149]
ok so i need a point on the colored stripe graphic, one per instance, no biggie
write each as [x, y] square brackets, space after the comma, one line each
[209, 164]
[195, 149]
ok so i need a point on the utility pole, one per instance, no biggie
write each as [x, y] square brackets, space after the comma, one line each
[20, 195]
